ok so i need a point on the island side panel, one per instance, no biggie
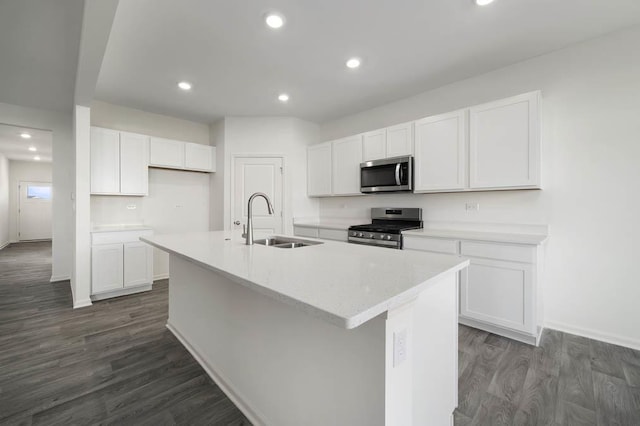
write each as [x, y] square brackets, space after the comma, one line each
[435, 353]
[281, 366]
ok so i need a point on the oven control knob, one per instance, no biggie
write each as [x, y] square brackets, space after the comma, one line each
[371, 236]
[388, 237]
[354, 233]
[360, 234]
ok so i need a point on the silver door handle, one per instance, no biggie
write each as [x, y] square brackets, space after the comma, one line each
[398, 174]
[237, 222]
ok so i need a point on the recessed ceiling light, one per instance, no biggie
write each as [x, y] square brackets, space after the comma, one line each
[184, 85]
[283, 97]
[353, 63]
[25, 135]
[274, 20]
[32, 149]
[483, 2]
[36, 158]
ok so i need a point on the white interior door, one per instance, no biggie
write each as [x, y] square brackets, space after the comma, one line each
[34, 211]
[257, 174]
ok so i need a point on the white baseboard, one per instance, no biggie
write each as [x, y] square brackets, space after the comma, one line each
[3, 245]
[223, 384]
[82, 303]
[593, 334]
[161, 277]
[121, 292]
[55, 279]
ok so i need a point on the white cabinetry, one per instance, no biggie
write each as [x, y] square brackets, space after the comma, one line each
[441, 148]
[499, 290]
[504, 144]
[346, 159]
[120, 263]
[319, 170]
[118, 162]
[390, 142]
[172, 154]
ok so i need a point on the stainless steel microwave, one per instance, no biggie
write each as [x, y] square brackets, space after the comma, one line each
[387, 175]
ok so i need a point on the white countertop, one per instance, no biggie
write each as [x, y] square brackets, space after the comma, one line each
[120, 227]
[460, 234]
[346, 284]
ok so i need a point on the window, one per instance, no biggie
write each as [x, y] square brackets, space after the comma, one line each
[38, 192]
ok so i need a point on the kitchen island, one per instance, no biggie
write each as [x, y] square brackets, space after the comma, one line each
[327, 334]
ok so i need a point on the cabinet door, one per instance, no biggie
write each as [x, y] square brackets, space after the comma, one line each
[134, 160]
[319, 170]
[374, 145]
[166, 153]
[504, 143]
[106, 268]
[499, 293]
[138, 264]
[198, 157]
[347, 156]
[440, 161]
[400, 140]
[105, 161]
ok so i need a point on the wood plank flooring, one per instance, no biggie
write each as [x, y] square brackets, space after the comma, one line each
[112, 363]
[115, 363]
[568, 380]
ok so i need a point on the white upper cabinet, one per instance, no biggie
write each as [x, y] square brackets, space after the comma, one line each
[172, 154]
[504, 143]
[134, 158]
[319, 170]
[347, 156]
[105, 161]
[374, 145]
[400, 140]
[166, 153]
[440, 153]
[394, 141]
[118, 162]
[199, 157]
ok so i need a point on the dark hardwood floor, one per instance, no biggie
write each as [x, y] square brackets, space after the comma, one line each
[115, 363]
[112, 363]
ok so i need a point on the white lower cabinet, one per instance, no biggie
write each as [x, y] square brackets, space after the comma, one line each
[120, 263]
[322, 233]
[499, 290]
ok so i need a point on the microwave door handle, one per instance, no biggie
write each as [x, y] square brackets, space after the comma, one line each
[398, 174]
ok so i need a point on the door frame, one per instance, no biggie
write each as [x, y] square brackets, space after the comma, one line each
[232, 184]
[19, 194]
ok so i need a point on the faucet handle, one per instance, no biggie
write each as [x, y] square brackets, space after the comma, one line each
[244, 231]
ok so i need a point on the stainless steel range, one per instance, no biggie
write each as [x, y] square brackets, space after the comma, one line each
[387, 224]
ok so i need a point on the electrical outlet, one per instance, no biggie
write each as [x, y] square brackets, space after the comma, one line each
[472, 206]
[399, 347]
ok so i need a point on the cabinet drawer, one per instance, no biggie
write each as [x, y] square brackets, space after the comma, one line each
[332, 234]
[438, 245]
[302, 231]
[514, 253]
[119, 236]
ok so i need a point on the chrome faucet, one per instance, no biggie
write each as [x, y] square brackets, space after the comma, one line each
[249, 232]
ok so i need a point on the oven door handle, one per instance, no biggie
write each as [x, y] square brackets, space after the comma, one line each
[398, 165]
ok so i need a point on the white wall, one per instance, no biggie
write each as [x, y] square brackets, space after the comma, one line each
[284, 136]
[590, 128]
[23, 171]
[63, 177]
[4, 201]
[178, 201]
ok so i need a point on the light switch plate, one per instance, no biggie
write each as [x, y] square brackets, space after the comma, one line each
[399, 347]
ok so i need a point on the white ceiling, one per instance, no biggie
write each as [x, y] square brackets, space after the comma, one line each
[15, 147]
[238, 66]
[39, 43]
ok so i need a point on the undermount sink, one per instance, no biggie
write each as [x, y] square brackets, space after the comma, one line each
[284, 242]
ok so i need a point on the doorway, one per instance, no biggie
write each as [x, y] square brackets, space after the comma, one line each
[257, 174]
[34, 211]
